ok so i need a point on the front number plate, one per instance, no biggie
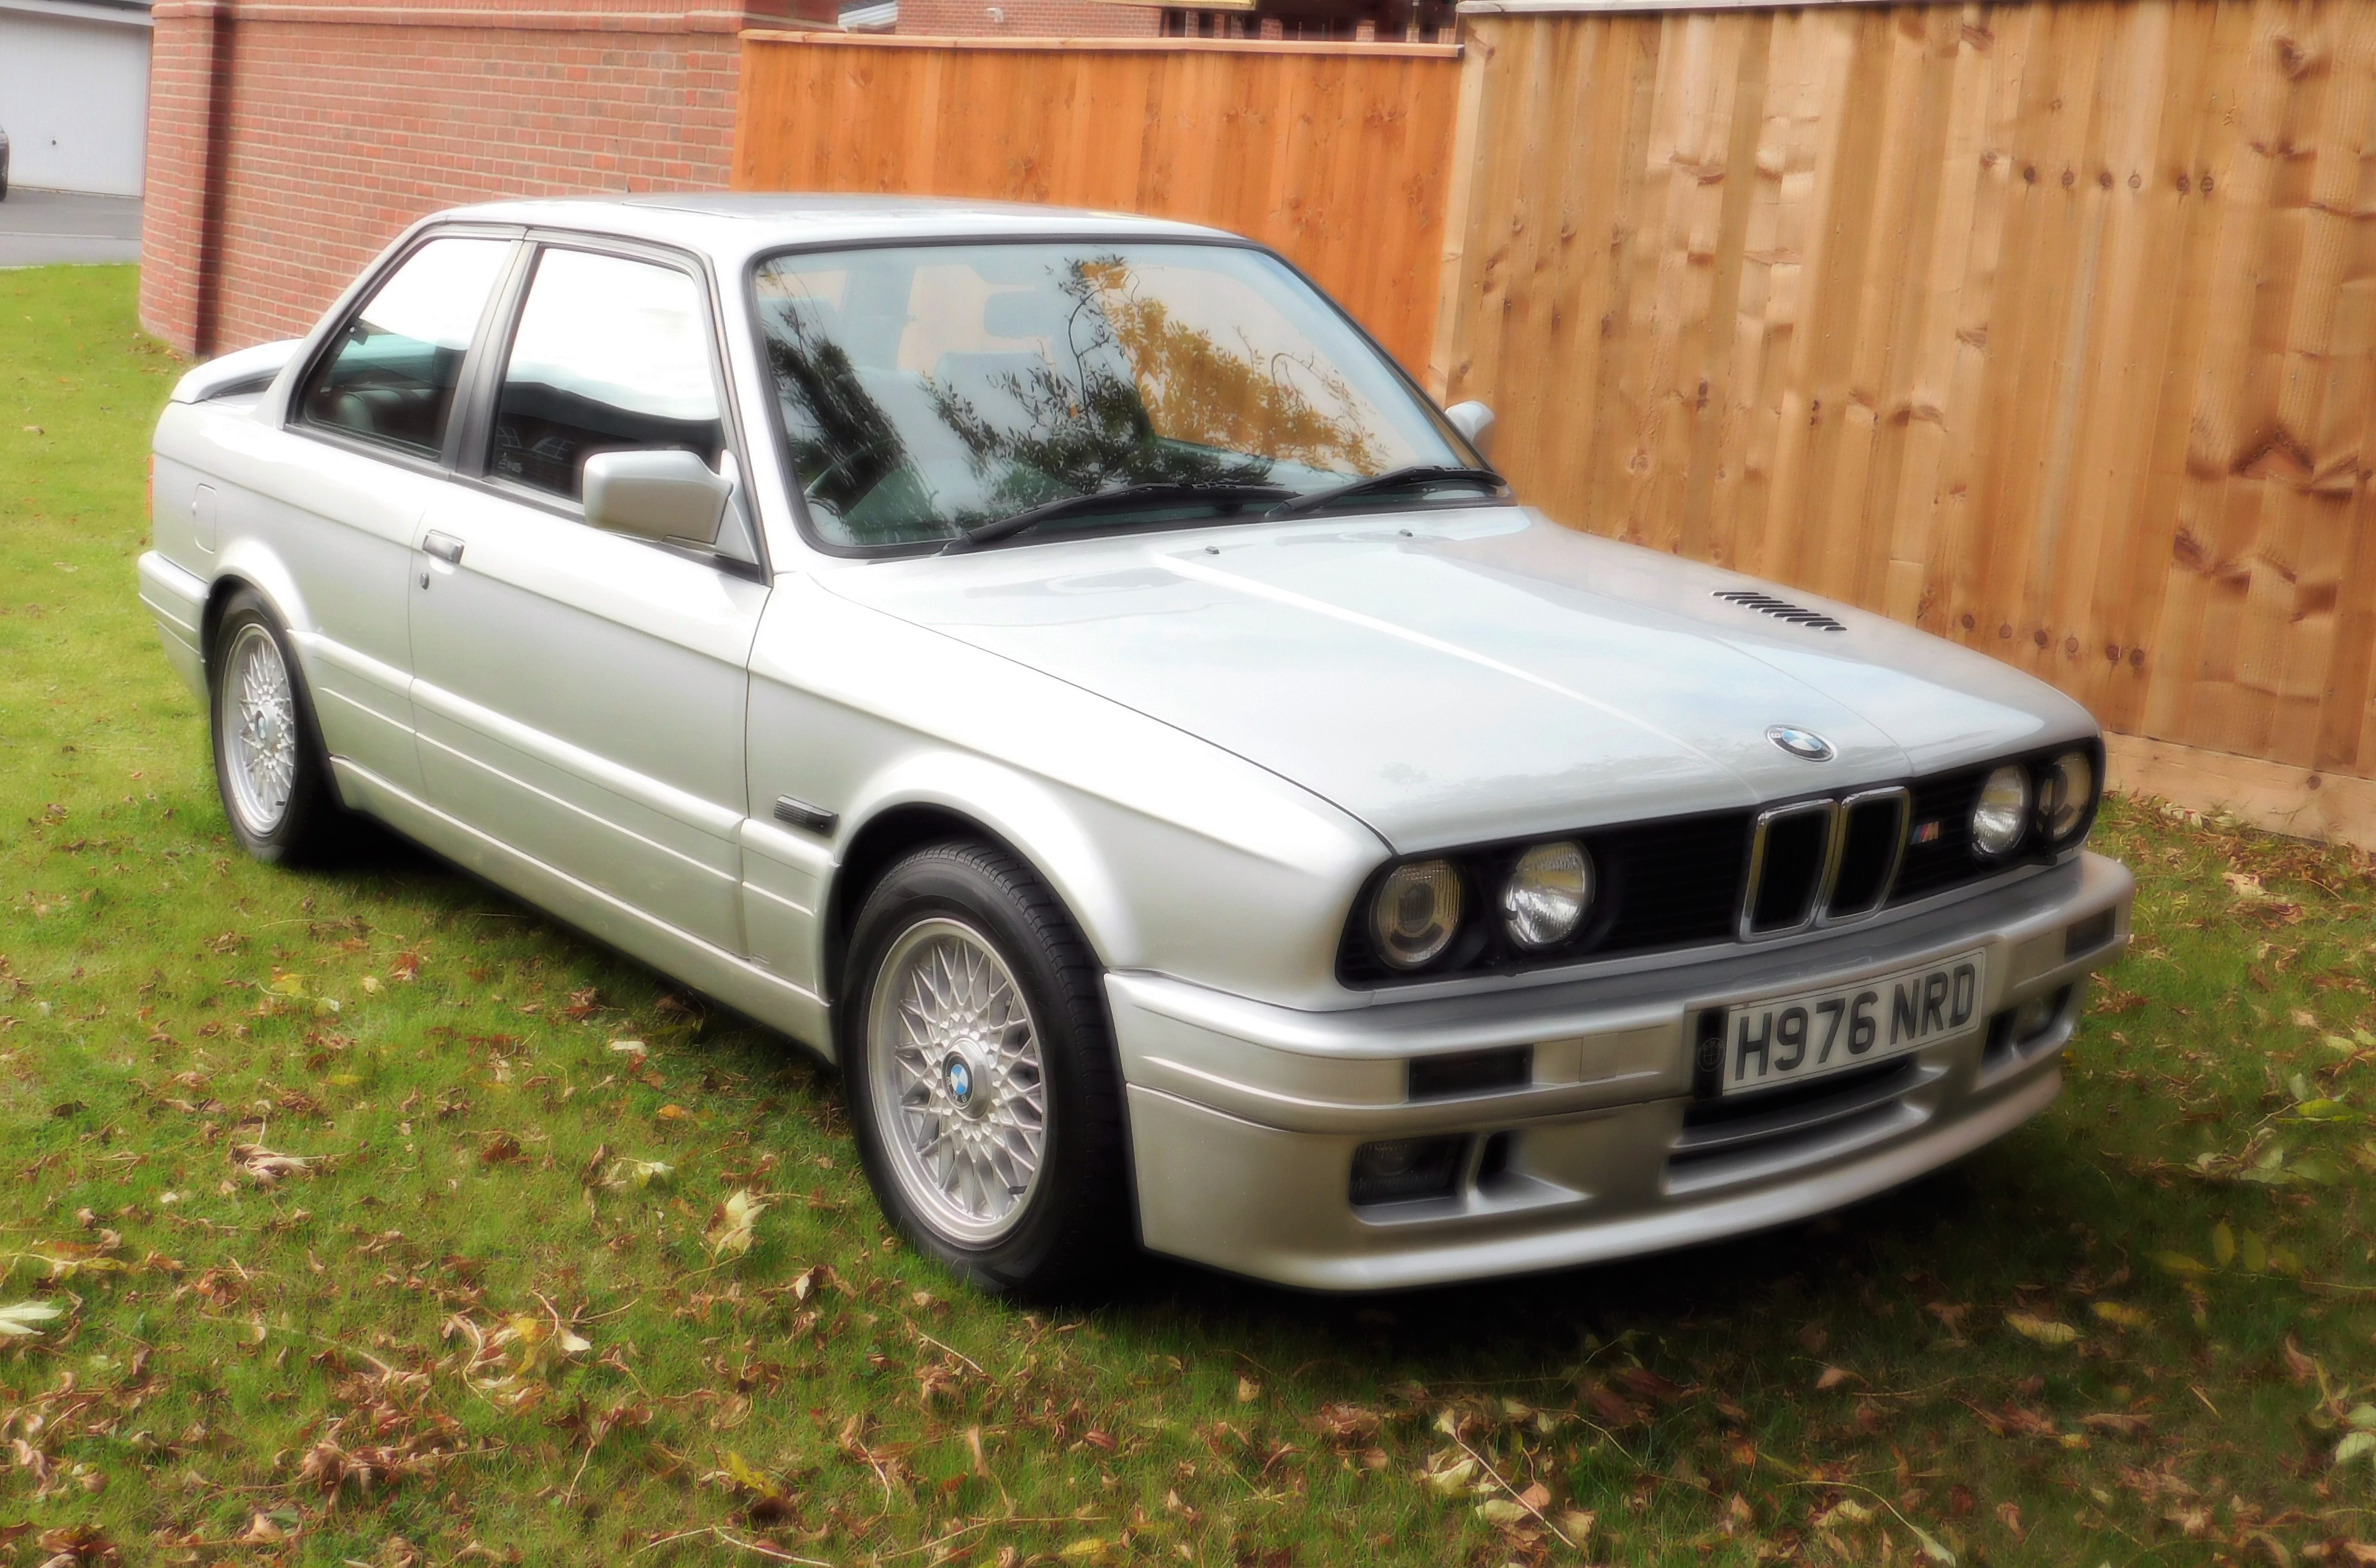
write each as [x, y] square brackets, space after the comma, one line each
[1785, 1040]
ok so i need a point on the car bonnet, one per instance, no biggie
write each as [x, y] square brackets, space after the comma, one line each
[1462, 676]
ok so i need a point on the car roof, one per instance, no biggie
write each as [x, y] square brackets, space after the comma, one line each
[733, 225]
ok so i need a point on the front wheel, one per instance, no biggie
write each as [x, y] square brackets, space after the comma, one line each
[268, 752]
[980, 1075]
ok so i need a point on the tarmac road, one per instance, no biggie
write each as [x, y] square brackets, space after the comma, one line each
[40, 227]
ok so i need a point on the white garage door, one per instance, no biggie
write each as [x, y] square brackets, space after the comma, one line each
[73, 99]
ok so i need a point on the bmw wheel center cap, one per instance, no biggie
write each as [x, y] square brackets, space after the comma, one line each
[1798, 742]
[959, 1073]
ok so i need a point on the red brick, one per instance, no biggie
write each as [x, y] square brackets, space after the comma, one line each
[285, 153]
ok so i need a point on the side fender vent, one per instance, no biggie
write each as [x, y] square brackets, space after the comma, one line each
[1781, 608]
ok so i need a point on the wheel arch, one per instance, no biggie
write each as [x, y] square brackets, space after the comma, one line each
[989, 806]
[259, 572]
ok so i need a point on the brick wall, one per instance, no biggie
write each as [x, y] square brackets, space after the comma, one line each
[1027, 18]
[289, 143]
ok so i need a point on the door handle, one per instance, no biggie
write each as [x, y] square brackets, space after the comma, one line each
[443, 546]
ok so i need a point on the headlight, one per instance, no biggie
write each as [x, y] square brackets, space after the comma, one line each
[1415, 913]
[2065, 790]
[1547, 895]
[2003, 813]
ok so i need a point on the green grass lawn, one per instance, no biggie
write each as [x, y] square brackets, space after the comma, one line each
[370, 1238]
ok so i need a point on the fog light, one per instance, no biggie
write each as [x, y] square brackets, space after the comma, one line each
[1402, 1168]
[2035, 1016]
[2085, 936]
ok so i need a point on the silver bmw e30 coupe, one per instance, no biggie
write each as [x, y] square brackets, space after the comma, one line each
[1055, 665]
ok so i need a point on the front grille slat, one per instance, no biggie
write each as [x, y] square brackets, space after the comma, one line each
[1723, 1140]
[1872, 832]
[1734, 1123]
[1788, 864]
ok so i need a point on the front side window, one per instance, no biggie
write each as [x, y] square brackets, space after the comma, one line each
[926, 391]
[390, 376]
[610, 355]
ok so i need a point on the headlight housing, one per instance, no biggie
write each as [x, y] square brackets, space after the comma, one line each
[1547, 895]
[2002, 816]
[2066, 797]
[1415, 913]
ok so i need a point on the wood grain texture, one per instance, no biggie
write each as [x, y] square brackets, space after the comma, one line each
[2336, 807]
[2050, 328]
[1335, 154]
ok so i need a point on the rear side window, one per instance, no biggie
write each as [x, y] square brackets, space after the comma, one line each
[390, 376]
[610, 355]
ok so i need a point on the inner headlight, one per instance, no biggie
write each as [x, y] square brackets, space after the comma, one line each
[2065, 790]
[1547, 895]
[1415, 913]
[2002, 813]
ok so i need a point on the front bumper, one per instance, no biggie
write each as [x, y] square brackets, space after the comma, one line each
[1244, 1117]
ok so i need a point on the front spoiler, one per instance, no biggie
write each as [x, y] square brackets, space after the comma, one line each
[1244, 1117]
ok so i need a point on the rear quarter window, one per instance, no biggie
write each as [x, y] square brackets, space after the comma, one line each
[390, 374]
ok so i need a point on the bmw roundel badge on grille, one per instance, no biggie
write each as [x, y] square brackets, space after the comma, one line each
[1800, 743]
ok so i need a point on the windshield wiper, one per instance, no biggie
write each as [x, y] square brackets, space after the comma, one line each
[1393, 479]
[1166, 494]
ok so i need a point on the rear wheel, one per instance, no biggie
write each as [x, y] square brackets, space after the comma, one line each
[980, 1075]
[269, 759]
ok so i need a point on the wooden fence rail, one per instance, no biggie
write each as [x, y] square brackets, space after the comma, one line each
[2049, 327]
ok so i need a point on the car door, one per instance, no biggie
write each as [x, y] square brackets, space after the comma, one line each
[373, 414]
[580, 694]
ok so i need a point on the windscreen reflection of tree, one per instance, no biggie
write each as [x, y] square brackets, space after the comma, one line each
[1084, 426]
[845, 448]
[1196, 390]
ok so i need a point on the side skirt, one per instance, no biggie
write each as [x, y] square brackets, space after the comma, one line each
[772, 1000]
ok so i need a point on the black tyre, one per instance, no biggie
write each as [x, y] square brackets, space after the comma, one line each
[982, 1078]
[270, 763]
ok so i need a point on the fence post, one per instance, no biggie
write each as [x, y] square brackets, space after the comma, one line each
[1440, 366]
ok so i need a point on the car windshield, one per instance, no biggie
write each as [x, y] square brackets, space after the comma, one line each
[928, 391]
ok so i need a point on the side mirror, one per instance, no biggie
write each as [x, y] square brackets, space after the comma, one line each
[670, 495]
[1474, 420]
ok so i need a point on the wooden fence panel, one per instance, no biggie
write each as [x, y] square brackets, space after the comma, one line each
[2044, 327]
[2050, 328]
[1336, 154]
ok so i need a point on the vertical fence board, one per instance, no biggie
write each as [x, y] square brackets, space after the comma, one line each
[1334, 153]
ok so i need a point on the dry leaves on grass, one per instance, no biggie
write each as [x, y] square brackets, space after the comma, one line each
[23, 1319]
[77, 1546]
[265, 1167]
[624, 1174]
[733, 1225]
[63, 1260]
[2041, 1330]
[541, 1342]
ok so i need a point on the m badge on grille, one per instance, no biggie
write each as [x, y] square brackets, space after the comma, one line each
[1800, 743]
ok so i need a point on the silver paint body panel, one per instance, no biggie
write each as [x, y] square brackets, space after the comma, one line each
[1205, 741]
